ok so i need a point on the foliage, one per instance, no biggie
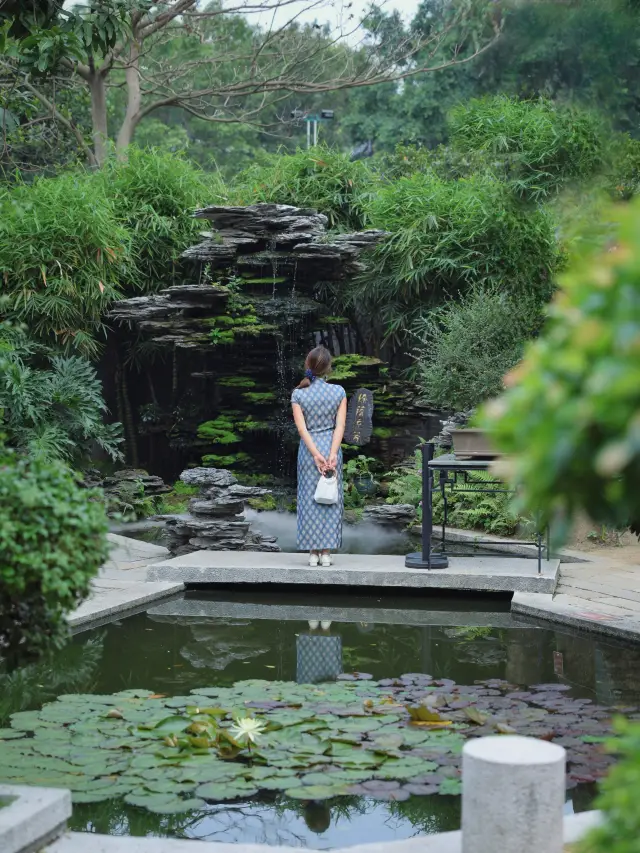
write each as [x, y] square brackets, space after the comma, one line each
[63, 256]
[154, 194]
[73, 668]
[625, 169]
[386, 740]
[52, 539]
[51, 406]
[465, 348]
[570, 415]
[446, 237]
[177, 500]
[620, 829]
[539, 145]
[473, 510]
[359, 467]
[263, 504]
[467, 509]
[349, 366]
[405, 482]
[228, 460]
[129, 501]
[321, 178]
[71, 245]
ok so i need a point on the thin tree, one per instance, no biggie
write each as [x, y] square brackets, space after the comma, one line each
[228, 69]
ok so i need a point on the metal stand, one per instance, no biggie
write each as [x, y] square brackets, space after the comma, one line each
[427, 559]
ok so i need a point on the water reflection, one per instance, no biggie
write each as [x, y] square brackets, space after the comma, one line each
[319, 654]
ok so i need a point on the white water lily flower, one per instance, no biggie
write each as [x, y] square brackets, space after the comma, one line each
[247, 729]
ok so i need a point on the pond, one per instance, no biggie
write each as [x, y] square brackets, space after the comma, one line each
[196, 641]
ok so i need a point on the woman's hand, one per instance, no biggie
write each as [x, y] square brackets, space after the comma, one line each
[332, 464]
[321, 462]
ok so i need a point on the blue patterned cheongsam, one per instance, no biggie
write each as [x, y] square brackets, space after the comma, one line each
[319, 525]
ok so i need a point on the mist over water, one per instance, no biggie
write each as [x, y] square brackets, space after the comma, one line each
[366, 537]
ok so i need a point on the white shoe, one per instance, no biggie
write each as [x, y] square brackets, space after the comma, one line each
[314, 560]
[325, 561]
[325, 625]
[313, 624]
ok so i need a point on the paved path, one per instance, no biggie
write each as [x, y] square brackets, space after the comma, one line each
[121, 583]
[602, 595]
[485, 574]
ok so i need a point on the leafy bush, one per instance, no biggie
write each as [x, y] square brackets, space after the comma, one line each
[538, 145]
[570, 414]
[447, 236]
[319, 178]
[51, 406]
[71, 245]
[154, 194]
[468, 510]
[52, 540]
[625, 168]
[618, 801]
[465, 348]
[63, 256]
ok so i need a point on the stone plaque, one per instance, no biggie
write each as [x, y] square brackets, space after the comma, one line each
[359, 424]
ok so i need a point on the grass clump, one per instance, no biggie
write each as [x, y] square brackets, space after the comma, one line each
[320, 178]
[446, 237]
[465, 348]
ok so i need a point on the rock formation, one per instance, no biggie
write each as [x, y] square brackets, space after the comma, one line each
[215, 521]
[216, 359]
[393, 515]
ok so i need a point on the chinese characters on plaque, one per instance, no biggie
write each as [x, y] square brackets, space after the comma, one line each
[359, 424]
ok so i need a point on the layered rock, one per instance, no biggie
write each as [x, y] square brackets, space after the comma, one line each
[215, 521]
[220, 356]
[392, 515]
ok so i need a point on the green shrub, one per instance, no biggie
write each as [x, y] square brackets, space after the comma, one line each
[51, 407]
[539, 146]
[446, 237]
[71, 245]
[569, 418]
[63, 257]
[320, 178]
[465, 348]
[154, 195]
[624, 181]
[467, 509]
[52, 541]
[620, 830]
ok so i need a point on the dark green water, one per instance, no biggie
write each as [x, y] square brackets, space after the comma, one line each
[197, 641]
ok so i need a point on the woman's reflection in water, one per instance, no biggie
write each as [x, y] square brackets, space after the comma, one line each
[317, 816]
[319, 654]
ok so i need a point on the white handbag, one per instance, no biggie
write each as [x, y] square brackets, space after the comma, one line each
[327, 490]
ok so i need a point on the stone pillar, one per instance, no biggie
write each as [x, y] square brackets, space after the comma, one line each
[513, 792]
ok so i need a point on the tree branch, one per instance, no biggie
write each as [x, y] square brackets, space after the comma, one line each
[55, 112]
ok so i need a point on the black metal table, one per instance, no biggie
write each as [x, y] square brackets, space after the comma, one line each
[455, 475]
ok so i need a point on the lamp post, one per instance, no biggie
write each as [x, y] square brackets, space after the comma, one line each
[312, 121]
[426, 559]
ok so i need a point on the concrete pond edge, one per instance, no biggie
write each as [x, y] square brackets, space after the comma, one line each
[35, 822]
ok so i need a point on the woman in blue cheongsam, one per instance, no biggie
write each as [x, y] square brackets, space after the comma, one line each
[320, 411]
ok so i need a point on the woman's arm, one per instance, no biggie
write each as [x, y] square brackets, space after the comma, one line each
[298, 417]
[338, 434]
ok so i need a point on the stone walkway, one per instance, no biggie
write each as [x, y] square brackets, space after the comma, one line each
[121, 584]
[478, 573]
[602, 595]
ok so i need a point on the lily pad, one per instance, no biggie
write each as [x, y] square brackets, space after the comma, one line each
[316, 792]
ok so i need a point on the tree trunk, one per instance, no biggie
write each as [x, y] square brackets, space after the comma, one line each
[134, 101]
[98, 91]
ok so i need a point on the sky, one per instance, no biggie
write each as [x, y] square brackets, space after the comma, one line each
[334, 12]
